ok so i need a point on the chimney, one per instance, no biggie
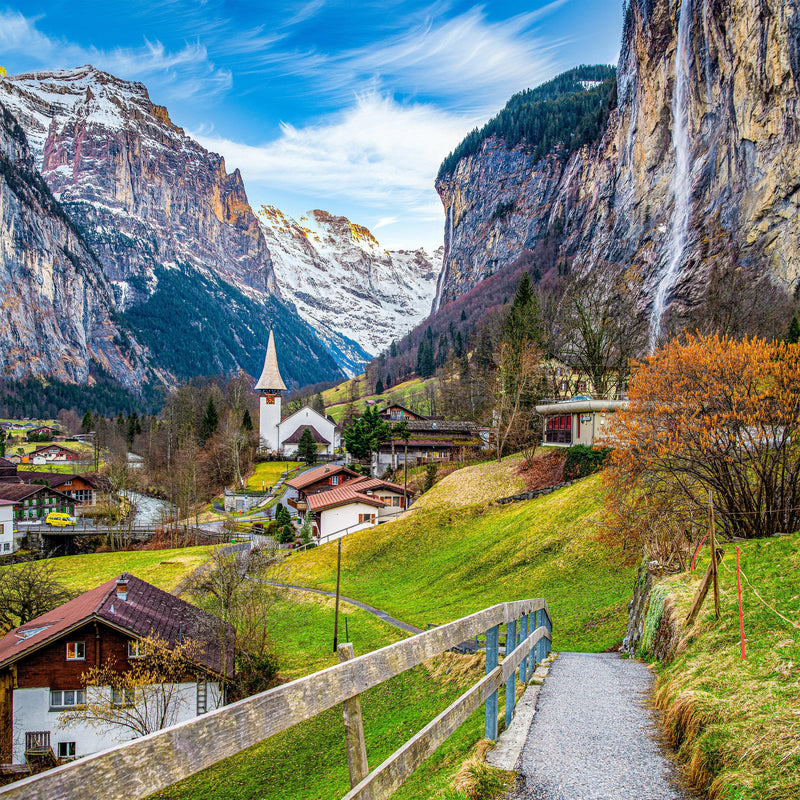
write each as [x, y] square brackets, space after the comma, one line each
[122, 589]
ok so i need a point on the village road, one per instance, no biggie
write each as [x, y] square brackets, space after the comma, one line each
[595, 735]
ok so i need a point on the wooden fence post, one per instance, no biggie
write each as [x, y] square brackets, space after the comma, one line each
[523, 634]
[714, 553]
[353, 728]
[492, 654]
[511, 683]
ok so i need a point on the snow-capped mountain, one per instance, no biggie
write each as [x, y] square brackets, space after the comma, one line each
[342, 280]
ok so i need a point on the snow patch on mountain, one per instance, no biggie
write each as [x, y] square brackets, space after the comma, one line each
[344, 283]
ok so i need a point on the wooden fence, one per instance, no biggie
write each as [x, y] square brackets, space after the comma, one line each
[143, 766]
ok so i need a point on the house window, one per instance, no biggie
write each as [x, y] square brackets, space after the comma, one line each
[136, 648]
[334, 480]
[121, 698]
[6, 547]
[76, 651]
[366, 518]
[66, 751]
[66, 699]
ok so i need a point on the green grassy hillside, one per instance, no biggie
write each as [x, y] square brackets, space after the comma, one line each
[441, 562]
[162, 568]
[338, 398]
[737, 721]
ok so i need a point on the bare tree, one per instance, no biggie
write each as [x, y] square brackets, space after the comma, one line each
[594, 325]
[143, 698]
[29, 590]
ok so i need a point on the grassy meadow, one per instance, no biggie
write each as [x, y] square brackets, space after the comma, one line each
[162, 568]
[267, 473]
[441, 562]
[338, 398]
[737, 721]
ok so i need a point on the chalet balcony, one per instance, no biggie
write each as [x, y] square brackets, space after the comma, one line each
[299, 505]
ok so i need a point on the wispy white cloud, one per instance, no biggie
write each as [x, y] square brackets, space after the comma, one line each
[384, 221]
[186, 72]
[378, 152]
[466, 61]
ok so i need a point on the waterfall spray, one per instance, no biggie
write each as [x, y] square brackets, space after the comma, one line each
[681, 176]
[448, 243]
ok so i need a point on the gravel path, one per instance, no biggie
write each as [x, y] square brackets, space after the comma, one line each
[594, 736]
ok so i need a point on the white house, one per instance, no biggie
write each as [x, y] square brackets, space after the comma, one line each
[581, 420]
[279, 435]
[353, 506]
[7, 544]
[41, 664]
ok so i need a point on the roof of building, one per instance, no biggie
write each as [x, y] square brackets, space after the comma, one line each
[146, 611]
[387, 411]
[271, 375]
[317, 474]
[295, 437]
[20, 491]
[581, 405]
[4, 462]
[50, 446]
[55, 479]
[442, 425]
[367, 484]
[341, 496]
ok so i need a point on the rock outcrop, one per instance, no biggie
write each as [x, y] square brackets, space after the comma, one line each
[699, 153]
[57, 304]
[358, 296]
[143, 193]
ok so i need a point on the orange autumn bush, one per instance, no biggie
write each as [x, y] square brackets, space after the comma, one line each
[707, 415]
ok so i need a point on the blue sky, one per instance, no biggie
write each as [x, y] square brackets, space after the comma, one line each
[346, 106]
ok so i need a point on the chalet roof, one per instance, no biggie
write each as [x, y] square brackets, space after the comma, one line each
[21, 491]
[342, 495]
[56, 479]
[317, 474]
[271, 375]
[4, 462]
[295, 437]
[147, 610]
[50, 446]
[368, 484]
[386, 412]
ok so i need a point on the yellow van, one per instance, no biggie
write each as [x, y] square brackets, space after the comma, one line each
[58, 519]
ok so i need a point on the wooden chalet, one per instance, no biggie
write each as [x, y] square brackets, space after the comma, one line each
[41, 664]
[33, 502]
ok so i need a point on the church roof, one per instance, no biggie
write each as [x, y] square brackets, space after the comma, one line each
[295, 437]
[270, 375]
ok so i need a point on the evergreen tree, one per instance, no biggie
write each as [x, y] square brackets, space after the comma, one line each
[307, 447]
[425, 362]
[388, 382]
[523, 324]
[379, 387]
[463, 315]
[365, 435]
[793, 336]
[318, 404]
[87, 423]
[134, 428]
[209, 422]
[3, 435]
[393, 350]
[247, 420]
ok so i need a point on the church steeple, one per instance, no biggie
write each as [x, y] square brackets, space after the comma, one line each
[270, 380]
[269, 387]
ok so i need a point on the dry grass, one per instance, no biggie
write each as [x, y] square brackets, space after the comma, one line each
[737, 722]
[481, 483]
[477, 780]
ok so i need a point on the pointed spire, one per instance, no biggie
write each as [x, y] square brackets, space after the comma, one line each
[271, 376]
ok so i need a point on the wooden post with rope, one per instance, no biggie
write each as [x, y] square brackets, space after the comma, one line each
[714, 564]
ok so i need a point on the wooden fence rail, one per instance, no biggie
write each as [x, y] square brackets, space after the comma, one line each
[146, 765]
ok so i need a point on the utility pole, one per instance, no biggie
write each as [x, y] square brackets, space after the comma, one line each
[336, 614]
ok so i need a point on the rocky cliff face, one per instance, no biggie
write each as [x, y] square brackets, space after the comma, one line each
[144, 194]
[57, 303]
[358, 296]
[699, 154]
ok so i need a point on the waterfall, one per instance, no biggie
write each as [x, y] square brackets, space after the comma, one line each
[448, 244]
[681, 176]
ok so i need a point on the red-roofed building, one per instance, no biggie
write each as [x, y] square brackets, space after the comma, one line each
[357, 504]
[41, 663]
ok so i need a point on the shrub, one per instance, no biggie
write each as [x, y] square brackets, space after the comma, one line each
[430, 476]
[287, 535]
[582, 460]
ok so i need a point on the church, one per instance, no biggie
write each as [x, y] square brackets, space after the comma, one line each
[281, 436]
